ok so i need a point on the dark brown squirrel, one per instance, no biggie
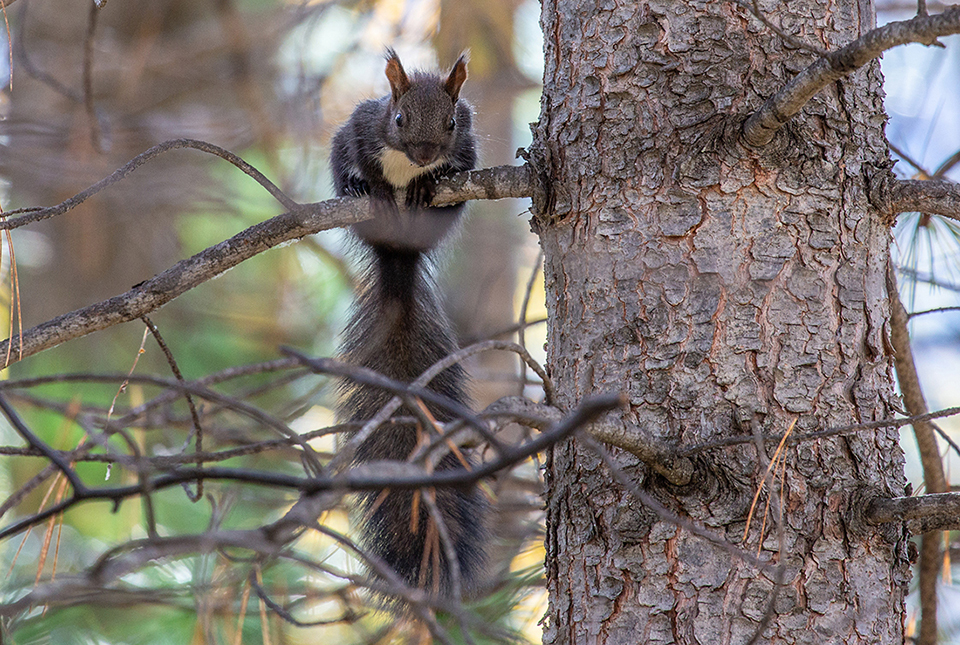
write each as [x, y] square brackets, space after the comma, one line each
[394, 149]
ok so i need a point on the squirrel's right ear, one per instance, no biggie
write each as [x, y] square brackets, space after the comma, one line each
[456, 78]
[399, 83]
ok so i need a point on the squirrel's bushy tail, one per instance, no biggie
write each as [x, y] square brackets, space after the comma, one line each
[398, 329]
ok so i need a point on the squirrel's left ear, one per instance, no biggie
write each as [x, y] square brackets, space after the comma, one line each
[399, 83]
[456, 78]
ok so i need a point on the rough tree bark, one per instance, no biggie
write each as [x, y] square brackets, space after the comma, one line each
[729, 291]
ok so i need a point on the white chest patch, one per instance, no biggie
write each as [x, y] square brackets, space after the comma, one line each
[399, 170]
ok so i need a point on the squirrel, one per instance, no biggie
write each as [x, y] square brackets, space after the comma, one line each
[393, 149]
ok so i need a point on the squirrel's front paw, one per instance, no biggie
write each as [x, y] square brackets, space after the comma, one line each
[420, 193]
[356, 187]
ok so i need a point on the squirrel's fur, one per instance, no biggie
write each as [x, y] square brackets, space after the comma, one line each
[394, 149]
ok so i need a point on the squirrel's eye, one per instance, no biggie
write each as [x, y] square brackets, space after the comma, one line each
[452, 124]
[399, 119]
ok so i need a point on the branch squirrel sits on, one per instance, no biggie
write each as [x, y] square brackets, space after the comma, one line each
[394, 149]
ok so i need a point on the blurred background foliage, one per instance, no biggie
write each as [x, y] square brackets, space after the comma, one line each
[91, 85]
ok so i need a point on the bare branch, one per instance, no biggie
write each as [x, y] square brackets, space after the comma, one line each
[779, 108]
[368, 476]
[923, 513]
[935, 197]
[642, 444]
[271, 540]
[298, 222]
[28, 215]
[678, 470]
[753, 7]
[916, 404]
[499, 182]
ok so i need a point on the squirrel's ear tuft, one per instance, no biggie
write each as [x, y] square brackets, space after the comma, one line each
[457, 76]
[399, 83]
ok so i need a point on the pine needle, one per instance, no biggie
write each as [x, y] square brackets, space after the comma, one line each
[756, 496]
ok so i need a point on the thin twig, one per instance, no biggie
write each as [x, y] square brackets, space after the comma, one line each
[194, 415]
[924, 174]
[943, 435]
[947, 165]
[928, 279]
[28, 487]
[521, 326]
[20, 52]
[933, 311]
[754, 8]
[54, 456]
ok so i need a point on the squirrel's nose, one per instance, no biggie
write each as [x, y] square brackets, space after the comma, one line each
[424, 154]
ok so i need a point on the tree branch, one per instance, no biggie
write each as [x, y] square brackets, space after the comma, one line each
[35, 214]
[779, 108]
[367, 476]
[141, 553]
[611, 430]
[35, 442]
[923, 513]
[299, 221]
[935, 197]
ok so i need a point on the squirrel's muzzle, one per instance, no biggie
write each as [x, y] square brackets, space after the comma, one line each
[424, 154]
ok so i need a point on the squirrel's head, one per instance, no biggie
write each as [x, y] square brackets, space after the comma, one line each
[422, 120]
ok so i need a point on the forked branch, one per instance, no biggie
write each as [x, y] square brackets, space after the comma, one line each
[779, 108]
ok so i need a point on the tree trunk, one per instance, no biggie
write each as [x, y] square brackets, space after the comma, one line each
[727, 291]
